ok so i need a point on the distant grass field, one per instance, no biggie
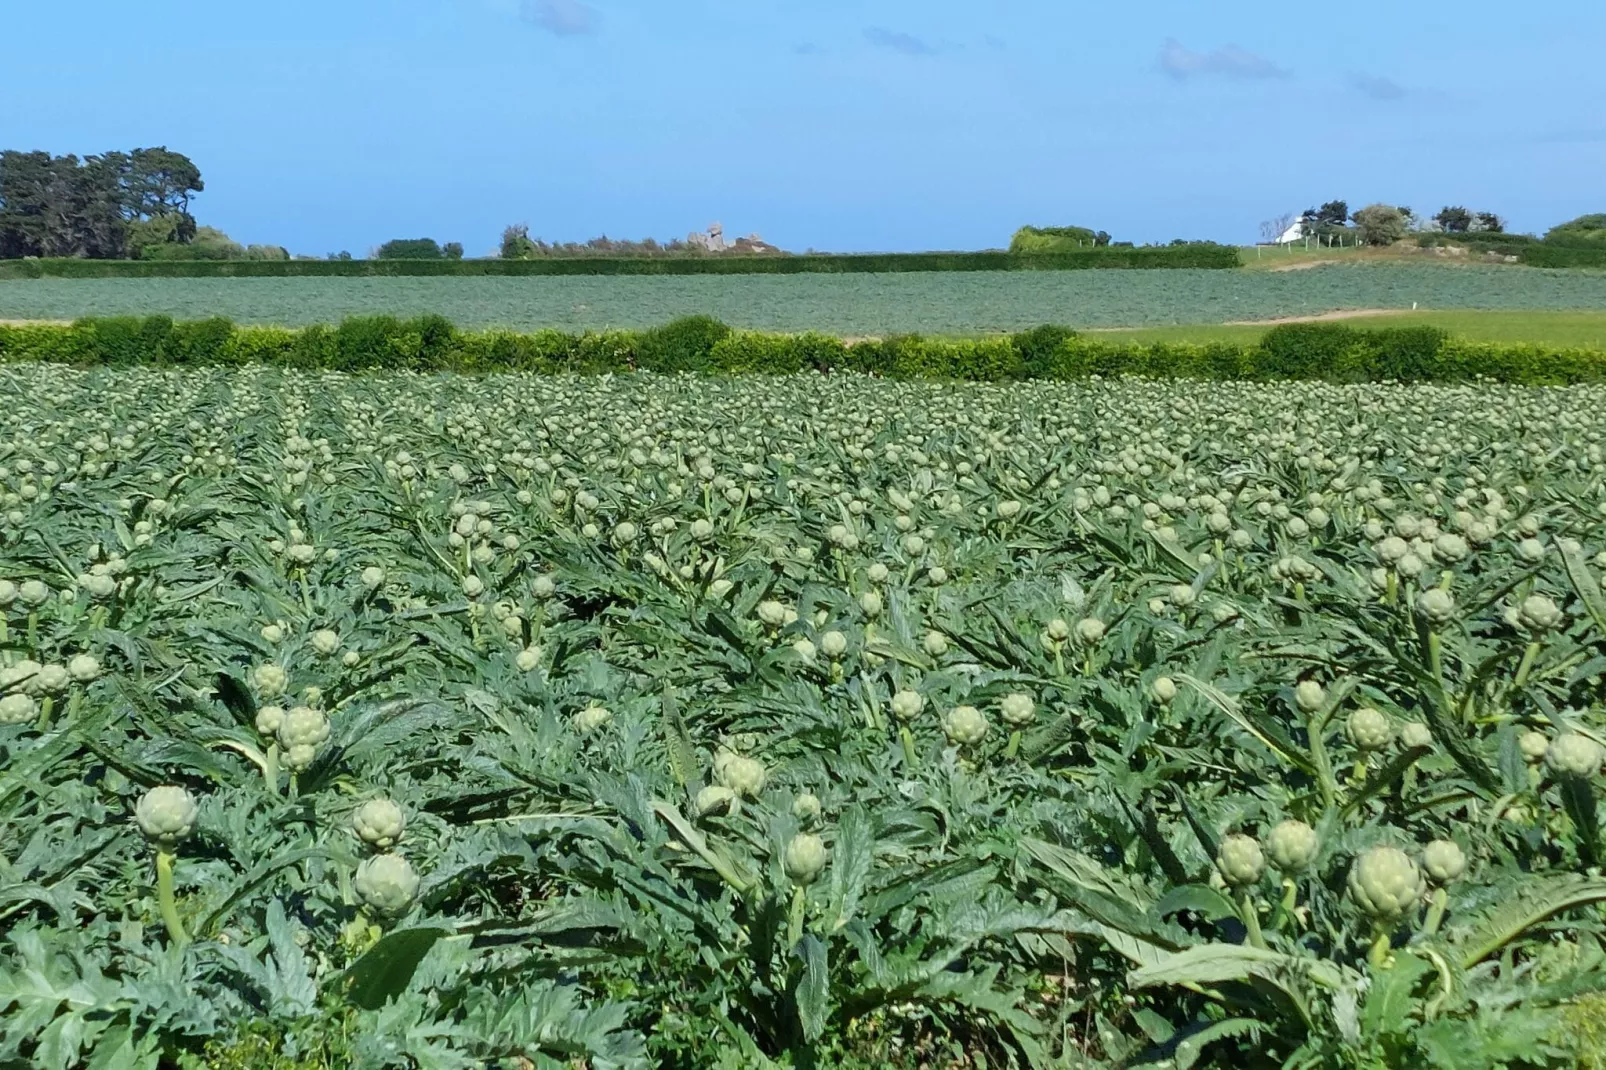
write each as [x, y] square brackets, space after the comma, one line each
[1570, 329]
[952, 303]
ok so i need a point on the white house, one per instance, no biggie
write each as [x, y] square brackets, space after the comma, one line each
[1294, 233]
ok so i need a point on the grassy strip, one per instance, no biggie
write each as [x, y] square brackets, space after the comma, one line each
[1563, 330]
[1181, 256]
[1334, 352]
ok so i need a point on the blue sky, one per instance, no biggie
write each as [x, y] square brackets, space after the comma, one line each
[871, 125]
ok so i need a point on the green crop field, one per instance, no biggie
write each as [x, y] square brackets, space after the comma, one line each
[931, 303]
[417, 720]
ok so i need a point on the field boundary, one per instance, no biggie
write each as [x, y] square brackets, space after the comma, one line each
[1201, 256]
[1329, 351]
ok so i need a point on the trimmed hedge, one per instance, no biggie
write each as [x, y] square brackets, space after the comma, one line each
[1329, 351]
[1181, 256]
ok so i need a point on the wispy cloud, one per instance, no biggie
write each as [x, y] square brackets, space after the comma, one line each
[565, 18]
[895, 41]
[1376, 87]
[1229, 61]
[807, 48]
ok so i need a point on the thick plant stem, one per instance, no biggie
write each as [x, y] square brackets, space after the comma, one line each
[45, 707]
[908, 746]
[1014, 745]
[165, 900]
[1381, 952]
[1290, 896]
[1324, 767]
[1391, 590]
[1527, 665]
[794, 928]
[1251, 918]
[270, 768]
[1435, 912]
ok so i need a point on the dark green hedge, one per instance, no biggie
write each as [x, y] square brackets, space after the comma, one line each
[1550, 255]
[1328, 351]
[1182, 256]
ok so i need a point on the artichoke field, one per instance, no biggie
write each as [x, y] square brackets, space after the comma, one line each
[426, 721]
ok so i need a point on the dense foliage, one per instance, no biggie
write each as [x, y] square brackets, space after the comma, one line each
[1056, 239]
[1331, 351]
[819, 721]
[106, 206]
[1198, 255]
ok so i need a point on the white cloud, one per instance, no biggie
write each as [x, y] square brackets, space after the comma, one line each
[1229, 61]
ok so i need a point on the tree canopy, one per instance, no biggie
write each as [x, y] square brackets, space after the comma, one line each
[107, 206]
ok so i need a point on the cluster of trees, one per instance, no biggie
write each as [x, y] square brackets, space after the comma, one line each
[413, 249]
[110, 206]
[518, 245]
[1379, 224]
[1057, 239]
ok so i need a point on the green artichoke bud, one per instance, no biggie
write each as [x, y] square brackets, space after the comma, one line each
[387, 883]
[543, 588]
[906, 705]
[1415, 735]
[379, 823]
[804, 649]
[1436, 607]
[591, 719]
[1539, 614]
[269, 718]
[166, 815]
[8, 593]
[373, 576]
[964, 725]
[528, 659]
[271, 680]
[1533, 745]
[83, 667]
[1309, 696]
[871, 603]
[1292, 845]
[1089, 631]
[1240, 860]
[1369, 729]
[1058, 631]
[1164, 690]
[1573, 755]
[33, 593]
[772, 613]
[834, 644]
[18, 709]
[1385, 883]
[744, 776]
[301, 733]
[1444, 861]
[805, 858]
[714, 800]
[24, 676]
[51, 679]
[935, 644]
[1017, 710]
[325, 641]
[806, 807]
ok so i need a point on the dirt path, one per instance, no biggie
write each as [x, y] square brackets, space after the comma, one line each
[1304, 265]
[35, 323]
[1322, 317]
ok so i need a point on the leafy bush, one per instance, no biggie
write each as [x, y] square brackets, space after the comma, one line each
[682, 345]
[1036, 240]
[1334, 352]
[1590, 229]
[410, 249]
[1380, 224]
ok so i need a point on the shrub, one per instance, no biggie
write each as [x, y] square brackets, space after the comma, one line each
[1380, 224]
[409, 249]
[1036, 348]
[1330, 351]
[682, 345]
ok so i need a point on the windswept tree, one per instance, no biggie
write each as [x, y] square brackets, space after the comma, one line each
[104, 206]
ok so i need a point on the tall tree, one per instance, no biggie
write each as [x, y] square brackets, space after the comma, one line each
[103, 206]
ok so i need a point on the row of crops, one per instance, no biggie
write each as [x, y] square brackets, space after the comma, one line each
[420, 721]
[874, 304]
